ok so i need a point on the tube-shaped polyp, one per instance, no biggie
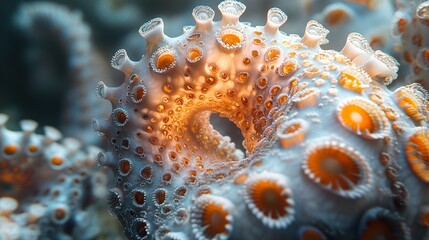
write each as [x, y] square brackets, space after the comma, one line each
[315, 34]
[356, 45]
[231, 11]
[203, 16]
[275, 19]
[153, 32]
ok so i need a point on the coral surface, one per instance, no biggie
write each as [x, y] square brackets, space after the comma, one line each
[49, 187]
[411, 24]
[229, 131]
[331, 153]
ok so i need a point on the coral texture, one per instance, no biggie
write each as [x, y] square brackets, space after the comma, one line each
[331, 153]
[411, 24]
[48, 187]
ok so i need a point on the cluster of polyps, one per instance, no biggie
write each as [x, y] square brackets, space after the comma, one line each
[331, 152]
[46, 186]
[411, 24]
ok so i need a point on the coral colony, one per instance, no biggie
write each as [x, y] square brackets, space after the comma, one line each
[331, 151]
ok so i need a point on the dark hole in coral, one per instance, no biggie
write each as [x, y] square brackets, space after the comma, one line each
[227, 128]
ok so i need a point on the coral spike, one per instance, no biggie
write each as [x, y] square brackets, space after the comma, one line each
[315, 34]
[356, 45]
[203, 16]
[28, 126]
[52, 134]
[275, 19]
[382, 66]
[121, 61]
[153, 32]
[3, 119]
[231, 11]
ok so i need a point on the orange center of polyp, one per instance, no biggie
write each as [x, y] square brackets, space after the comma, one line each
[269, 199]
[164, 61]
[214, 220]
[231, 39]
[194, 54]
[357, 118]
[334, 168]
[292, 128]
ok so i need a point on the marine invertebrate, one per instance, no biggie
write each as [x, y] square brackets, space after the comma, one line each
[49, 188]
[288, 96]
[410, 24]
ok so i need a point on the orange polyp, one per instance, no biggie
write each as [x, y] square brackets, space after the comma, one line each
[33, 148]
[57, 161]
[288, 68]
[363, 117]
[333, 166]
[311, 234]
[146, 172]
[121, 117]
[60, 214]
[213, 220]
[282, 99]
[139, 198]
[376, 42]
[272, 54]
[357, 118]
[292, 128]
[164, 61]
[376, 98]
[352, 81]
[160, 197]
[230, 39]
[377, 229]
[10, 149]
[425, 57]
[213, 68]
[242, 77]
[138, 93]
[402, 24]
[269, 198]
[141, 229]
[336, 17]
[125, 166]
[241, 179]
[417, 152]
[166, 177]
[255, 53]
[410, 103]
[167, 88]
[257, 41]
[194, 54]
[292, 132]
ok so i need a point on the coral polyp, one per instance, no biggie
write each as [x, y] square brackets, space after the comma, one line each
[49, 188]
[331, 153]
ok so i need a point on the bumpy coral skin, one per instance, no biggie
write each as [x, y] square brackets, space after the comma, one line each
[67, 27]
[48, 187]
[331, 152]
[411, 24]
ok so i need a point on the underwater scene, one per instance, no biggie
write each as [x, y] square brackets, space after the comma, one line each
[214, 119]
